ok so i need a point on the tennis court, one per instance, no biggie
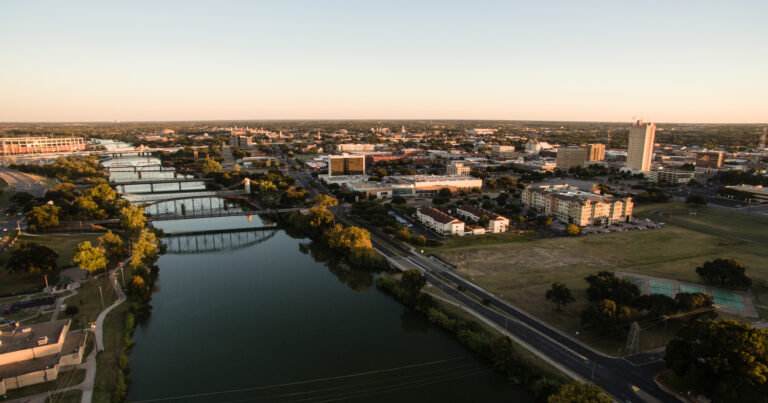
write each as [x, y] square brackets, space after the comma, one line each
[636, 281]
[729, 300]
[661, 287]
[691, 289]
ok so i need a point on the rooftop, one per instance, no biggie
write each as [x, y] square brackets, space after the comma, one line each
[25, 337]
[438, 215]
[477, 211]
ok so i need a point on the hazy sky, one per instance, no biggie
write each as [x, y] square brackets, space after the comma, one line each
[665, 61]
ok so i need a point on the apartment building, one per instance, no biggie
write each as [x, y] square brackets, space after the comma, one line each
[670, 176]
[571, 205]
[496, 222]
[440, 222]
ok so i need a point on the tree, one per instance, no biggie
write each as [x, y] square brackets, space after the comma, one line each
[144, 249]
[319, 217]
[724, 272]
[560, 295]
[210, 166]
[444, 193]
[403, 234]
[411, 282]
[31, 257]
[132, 218]
[578, 392]
[89, 257]
[690, 301]
[419, 240]
[605, 285]
[42, 218]
[604, 314]
[543, 221]
[696, 200]
[113, 246]
[724, 360]
[572, 229]
[483, 221]
[656, 304]
[323, 200]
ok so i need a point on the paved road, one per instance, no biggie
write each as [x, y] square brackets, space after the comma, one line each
[617, 376]
[22, 182]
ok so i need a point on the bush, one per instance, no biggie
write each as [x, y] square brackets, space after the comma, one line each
[71, 310]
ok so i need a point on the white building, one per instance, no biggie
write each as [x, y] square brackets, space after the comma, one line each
[457, 168]
[345, 148]
[440, 222]
[496, 223]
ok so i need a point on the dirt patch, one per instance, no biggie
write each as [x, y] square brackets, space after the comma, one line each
[495, 259]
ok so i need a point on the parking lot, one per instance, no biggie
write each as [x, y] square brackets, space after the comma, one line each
[639, 224]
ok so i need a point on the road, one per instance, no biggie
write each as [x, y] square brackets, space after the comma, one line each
[617, 376]
[22, 182]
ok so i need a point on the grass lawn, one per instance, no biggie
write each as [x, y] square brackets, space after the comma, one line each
[107, 361]
[63, 244]
[88, 302]
[65, 379]
[70, 396]
[522, 271]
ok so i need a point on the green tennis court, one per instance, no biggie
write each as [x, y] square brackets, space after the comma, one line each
[661, 287]
[636, 281]
[729, 300]
[692, 289]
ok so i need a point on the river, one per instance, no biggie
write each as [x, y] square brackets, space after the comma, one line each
[262, 316]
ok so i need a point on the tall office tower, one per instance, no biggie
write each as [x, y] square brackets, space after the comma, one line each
[640, 146]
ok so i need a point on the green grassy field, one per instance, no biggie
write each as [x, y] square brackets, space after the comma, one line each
[522, 271]
[88, 302]
[70, 396]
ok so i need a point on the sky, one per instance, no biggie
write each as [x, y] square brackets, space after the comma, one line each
[664, 61]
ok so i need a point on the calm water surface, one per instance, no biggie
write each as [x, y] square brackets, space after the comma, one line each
[266, 317]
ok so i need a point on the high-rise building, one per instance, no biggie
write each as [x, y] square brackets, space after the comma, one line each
[712, 159]
[346, 165]
[640, 146]
[595, 152]
[569, 157]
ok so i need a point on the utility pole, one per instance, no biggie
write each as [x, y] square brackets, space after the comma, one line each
[633, 340]
[102, 298]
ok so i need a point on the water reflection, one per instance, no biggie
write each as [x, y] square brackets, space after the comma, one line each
[356, 278]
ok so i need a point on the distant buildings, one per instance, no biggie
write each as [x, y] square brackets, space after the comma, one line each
[458, 168]
[479, 131]
[40, 145]
[496, 223]
[570, 157]
[240, 140]
[346, 165]
[35, 354]
[712, 159]
[574, 206]
[440, 222]
[346, 148]
[640, 146]
[595, 152]
[414, 186]
[670, 176]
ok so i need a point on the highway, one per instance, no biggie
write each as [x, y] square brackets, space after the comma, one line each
[21, 182]
[617, 376]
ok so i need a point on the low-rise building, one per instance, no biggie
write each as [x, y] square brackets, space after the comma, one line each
[457, 168]
[440, 222]
[345, 148]
[574, 206]
[670, 176]
[35, 354]
[496, 223]
[712, 159]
